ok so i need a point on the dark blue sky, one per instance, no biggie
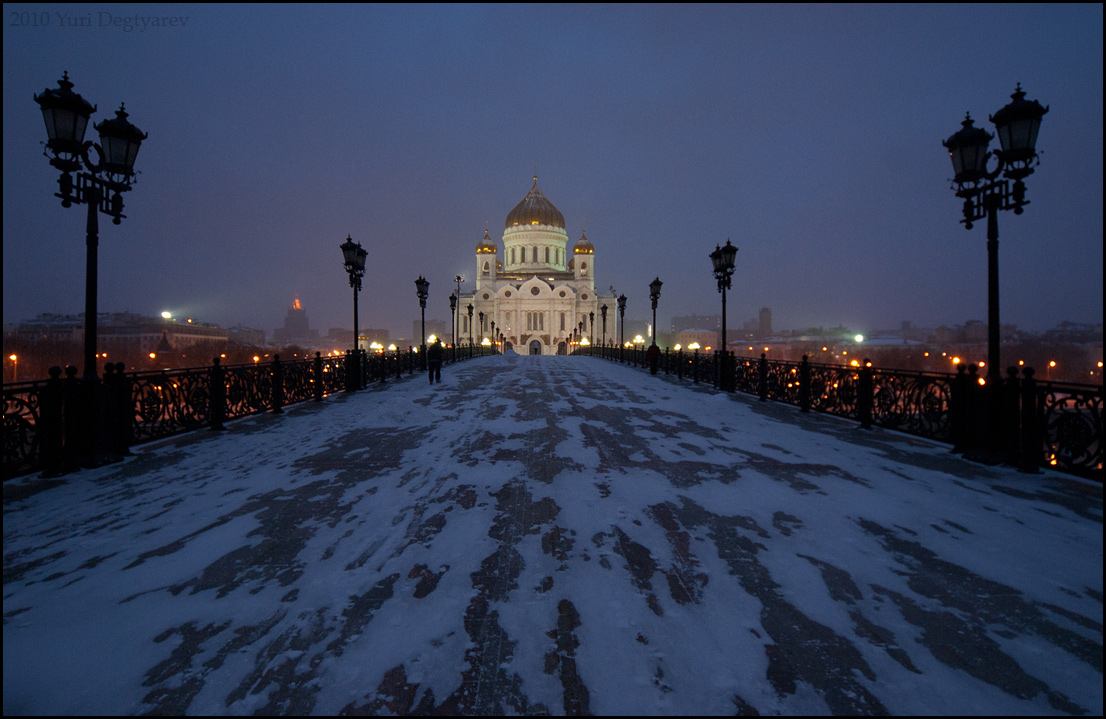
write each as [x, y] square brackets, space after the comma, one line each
[809, 135]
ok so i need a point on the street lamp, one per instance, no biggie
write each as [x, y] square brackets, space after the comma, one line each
[67, 114]
[985, 193]
[723, 260]
[422, 287]
[457, 315]
[354, 256]
[603, 314]
[621, 324]
[654, 295]
[591, 322]
[470, 327]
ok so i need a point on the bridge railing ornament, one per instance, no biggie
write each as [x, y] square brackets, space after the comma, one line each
[1045, 424]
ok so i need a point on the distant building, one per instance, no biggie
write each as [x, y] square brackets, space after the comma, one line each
[246, 336]
[126, 333]
[295, 328]
[690, 322]
[540, 293]
[129, 334]
[765, 328]
[706, 339]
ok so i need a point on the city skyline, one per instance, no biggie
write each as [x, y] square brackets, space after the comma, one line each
[808, 136]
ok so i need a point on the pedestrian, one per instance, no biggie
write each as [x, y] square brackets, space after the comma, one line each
[653, 354]
[434, 361]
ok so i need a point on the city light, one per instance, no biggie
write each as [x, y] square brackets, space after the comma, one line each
[166, 315]
[859, 338]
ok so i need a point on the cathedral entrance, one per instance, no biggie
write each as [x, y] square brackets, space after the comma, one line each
[535, 348]
[562, 349]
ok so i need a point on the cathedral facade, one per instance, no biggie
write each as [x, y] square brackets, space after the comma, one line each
[538, 295]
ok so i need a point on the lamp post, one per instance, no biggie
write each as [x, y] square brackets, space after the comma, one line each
[603, 314]
[67, 114]
[354, 256]
[457, 316]
[99, 186]
[471, 308]
[985, 193]
[591, 323]
[621, 324]
[654, 295]
[453, 316]
[422, 287]
[723, 260]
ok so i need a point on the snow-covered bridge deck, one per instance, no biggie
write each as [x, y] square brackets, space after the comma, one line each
[552, 535]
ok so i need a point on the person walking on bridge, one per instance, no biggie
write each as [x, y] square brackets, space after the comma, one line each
[434, 361]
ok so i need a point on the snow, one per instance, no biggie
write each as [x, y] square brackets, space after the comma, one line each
[552, 534]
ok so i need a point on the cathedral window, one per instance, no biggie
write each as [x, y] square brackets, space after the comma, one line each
[547, 255]
[583, 268]
[541, 321]
[512, 255]
[562, 322]
[487, 267]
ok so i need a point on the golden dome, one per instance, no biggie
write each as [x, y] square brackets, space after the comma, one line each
[535, 210]
[486, 245]
[583, 246]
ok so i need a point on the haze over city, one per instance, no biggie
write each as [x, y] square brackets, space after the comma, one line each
[809, 136]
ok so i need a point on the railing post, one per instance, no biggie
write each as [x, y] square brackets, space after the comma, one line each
[958, 410]
[318, 376]
[51, 428]
[804, 384]
[217, 395]
[1011, 417]
[762, 380]
[124, 414]
[277, 386]
[1031, 441]
[976, 415]
[666, 360]
[865, 397]
[71, 417]
[107, 425]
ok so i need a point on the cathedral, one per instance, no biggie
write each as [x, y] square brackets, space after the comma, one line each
[539, 294]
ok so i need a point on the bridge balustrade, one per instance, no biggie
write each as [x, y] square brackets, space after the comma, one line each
[42, 419]
[1050, 424]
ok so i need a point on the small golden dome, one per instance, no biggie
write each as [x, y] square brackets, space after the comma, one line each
[583, 246]
[487, 245]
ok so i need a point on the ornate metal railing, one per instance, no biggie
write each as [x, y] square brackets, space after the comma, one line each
[1059, 425]
[47, 428]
